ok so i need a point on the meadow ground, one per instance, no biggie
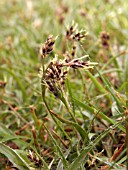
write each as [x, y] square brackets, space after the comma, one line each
[63, 84]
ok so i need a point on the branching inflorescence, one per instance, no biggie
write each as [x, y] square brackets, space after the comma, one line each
[54, 73]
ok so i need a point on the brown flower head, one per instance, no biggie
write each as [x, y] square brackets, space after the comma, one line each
[73, 33]
[105, 40]
[47, 47]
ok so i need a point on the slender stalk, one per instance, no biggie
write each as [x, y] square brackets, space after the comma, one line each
[116, 63]
[43, 67]
[65, 162]
[69, 110]
[65, 102]
[48, 110]
[84, 85]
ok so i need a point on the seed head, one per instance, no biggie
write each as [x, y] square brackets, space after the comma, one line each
[79, 63]
[73, 33]
[47, 47]
[60, 13]
[105, 40]
[54, 73]
[54, 77]
[73, 50]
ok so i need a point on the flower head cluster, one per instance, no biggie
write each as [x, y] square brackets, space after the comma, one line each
[57, 71]
[54, 77]
[73, 33]
[105, 40]
[47, 47]
[60, 13]
[54, 73]
[77, 63]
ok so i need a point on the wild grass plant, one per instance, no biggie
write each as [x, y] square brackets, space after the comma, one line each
[63, 85]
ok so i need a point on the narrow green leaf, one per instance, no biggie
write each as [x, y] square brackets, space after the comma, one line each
[94, 111]
[112, 59]
[96, 83]
[112, 92]
[17, 80]
[79, 160]
[5, 132]
[58, 149]
[80, 130]
[14, 157]
[126, 75]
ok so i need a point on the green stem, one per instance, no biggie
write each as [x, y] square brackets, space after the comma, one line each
[48, 109]
[68, 109]
[84, 85]
[65, 102]
[65, 162]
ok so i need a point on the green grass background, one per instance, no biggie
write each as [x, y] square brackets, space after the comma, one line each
[98, 98]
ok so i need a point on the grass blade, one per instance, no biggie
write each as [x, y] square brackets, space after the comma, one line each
[80, 130]
[94, 111]
[79, 160]
[14, 157]
[65, 163]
